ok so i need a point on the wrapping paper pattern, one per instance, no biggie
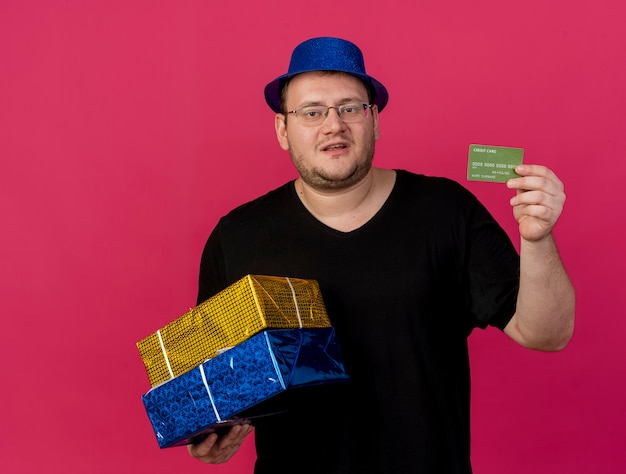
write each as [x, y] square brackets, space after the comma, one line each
[215, 392]
[241, 310]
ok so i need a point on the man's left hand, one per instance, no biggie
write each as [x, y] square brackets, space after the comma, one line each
[539, 200]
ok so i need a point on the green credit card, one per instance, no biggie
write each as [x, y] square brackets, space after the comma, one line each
[493, 163]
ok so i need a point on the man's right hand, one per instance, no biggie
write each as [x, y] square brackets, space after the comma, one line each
[216, 449]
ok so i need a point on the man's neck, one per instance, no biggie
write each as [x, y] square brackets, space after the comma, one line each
[350, 208]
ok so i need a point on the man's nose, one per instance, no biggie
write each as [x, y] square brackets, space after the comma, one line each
[333, 119]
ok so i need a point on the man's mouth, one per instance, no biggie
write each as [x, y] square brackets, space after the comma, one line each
[335, 146]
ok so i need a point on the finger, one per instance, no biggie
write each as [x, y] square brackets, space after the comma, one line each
[536, 177]
[539, 198]
[542, 213]
[535, 183]
[235, 436]
[216, 449]
[203, 448]
[535, 170]
[229, 444]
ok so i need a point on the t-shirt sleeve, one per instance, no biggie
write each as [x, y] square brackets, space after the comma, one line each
[212, 278]
[493, 269]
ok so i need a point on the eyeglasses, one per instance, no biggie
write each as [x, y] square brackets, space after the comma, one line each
[312, 115]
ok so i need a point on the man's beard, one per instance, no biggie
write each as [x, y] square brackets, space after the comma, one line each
[317, 178]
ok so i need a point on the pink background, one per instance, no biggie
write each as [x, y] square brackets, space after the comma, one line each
[127, 127]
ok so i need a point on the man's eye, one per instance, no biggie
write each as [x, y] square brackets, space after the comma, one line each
[311, 113]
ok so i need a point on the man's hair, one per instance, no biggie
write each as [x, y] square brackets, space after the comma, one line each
[283, 91]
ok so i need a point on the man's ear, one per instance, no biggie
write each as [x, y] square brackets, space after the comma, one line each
[280, 124]
[376, 125]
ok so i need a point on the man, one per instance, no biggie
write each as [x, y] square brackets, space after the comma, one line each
[408, 266]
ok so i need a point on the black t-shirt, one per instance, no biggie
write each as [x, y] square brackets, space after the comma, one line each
[403, 293]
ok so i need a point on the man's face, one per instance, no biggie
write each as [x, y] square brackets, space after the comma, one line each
[334, 154]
